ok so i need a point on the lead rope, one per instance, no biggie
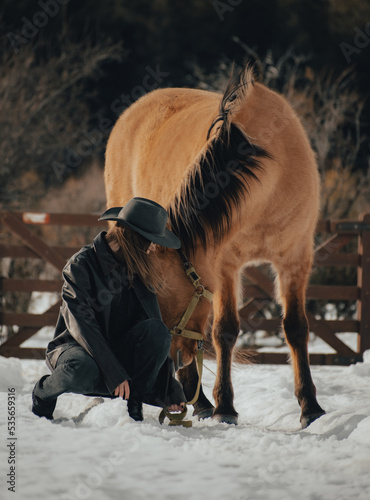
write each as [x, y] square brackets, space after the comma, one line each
[178, 418]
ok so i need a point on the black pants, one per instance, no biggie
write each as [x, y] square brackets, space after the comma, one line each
[143, 352]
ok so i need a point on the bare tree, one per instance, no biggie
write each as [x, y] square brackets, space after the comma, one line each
[44, 110]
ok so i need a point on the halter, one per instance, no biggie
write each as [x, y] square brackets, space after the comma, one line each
[181, 331]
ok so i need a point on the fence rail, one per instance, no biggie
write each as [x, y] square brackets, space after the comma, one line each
[257, 292]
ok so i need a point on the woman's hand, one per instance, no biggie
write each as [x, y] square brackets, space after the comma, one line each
[122, 390]
[179, 407]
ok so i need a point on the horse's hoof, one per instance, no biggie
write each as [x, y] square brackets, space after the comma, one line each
[306, 420]
[204, 414]
[226, 419]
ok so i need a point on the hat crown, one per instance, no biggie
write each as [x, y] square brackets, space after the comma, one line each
[146, 215]
[147, 218]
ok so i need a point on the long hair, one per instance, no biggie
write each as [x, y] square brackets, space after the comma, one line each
[132, 253]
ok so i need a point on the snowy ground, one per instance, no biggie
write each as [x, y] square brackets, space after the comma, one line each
[105, 455]
[108, 456]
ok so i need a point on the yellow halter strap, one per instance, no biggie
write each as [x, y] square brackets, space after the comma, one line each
[200, 291]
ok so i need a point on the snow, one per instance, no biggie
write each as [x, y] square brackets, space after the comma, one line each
[93, 450]
[107, 456]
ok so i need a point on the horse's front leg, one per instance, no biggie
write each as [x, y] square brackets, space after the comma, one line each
[293, 278]
[188, 377]
[225, 331]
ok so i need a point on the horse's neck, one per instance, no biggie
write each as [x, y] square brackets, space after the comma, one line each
[180, 288]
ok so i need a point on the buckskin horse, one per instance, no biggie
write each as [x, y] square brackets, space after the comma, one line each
[240, 182]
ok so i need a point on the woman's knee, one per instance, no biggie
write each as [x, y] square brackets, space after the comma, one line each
[156, 333]
[82, 372]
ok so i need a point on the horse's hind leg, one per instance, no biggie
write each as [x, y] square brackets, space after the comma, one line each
[292, 279]
[225, 332]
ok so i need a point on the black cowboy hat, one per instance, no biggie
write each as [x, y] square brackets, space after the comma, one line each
[147, 218]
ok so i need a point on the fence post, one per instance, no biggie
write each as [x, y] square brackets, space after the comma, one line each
[363, 282]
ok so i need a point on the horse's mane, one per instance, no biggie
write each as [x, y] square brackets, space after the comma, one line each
[202, 208]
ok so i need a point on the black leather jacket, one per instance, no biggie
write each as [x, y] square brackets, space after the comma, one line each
[98, 306]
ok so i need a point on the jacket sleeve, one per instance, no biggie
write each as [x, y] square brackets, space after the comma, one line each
[78, 312]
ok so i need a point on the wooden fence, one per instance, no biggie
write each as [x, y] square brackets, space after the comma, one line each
[257, 293]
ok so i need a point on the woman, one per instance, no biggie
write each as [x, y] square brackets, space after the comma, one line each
[109, 339]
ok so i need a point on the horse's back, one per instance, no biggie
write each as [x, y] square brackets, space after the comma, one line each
[154, 142]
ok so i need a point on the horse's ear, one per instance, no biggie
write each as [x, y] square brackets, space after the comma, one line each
[237, 88]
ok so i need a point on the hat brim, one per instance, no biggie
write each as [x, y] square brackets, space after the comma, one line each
[169, 240]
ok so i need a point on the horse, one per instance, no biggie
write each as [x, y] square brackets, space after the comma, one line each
[240, 181]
